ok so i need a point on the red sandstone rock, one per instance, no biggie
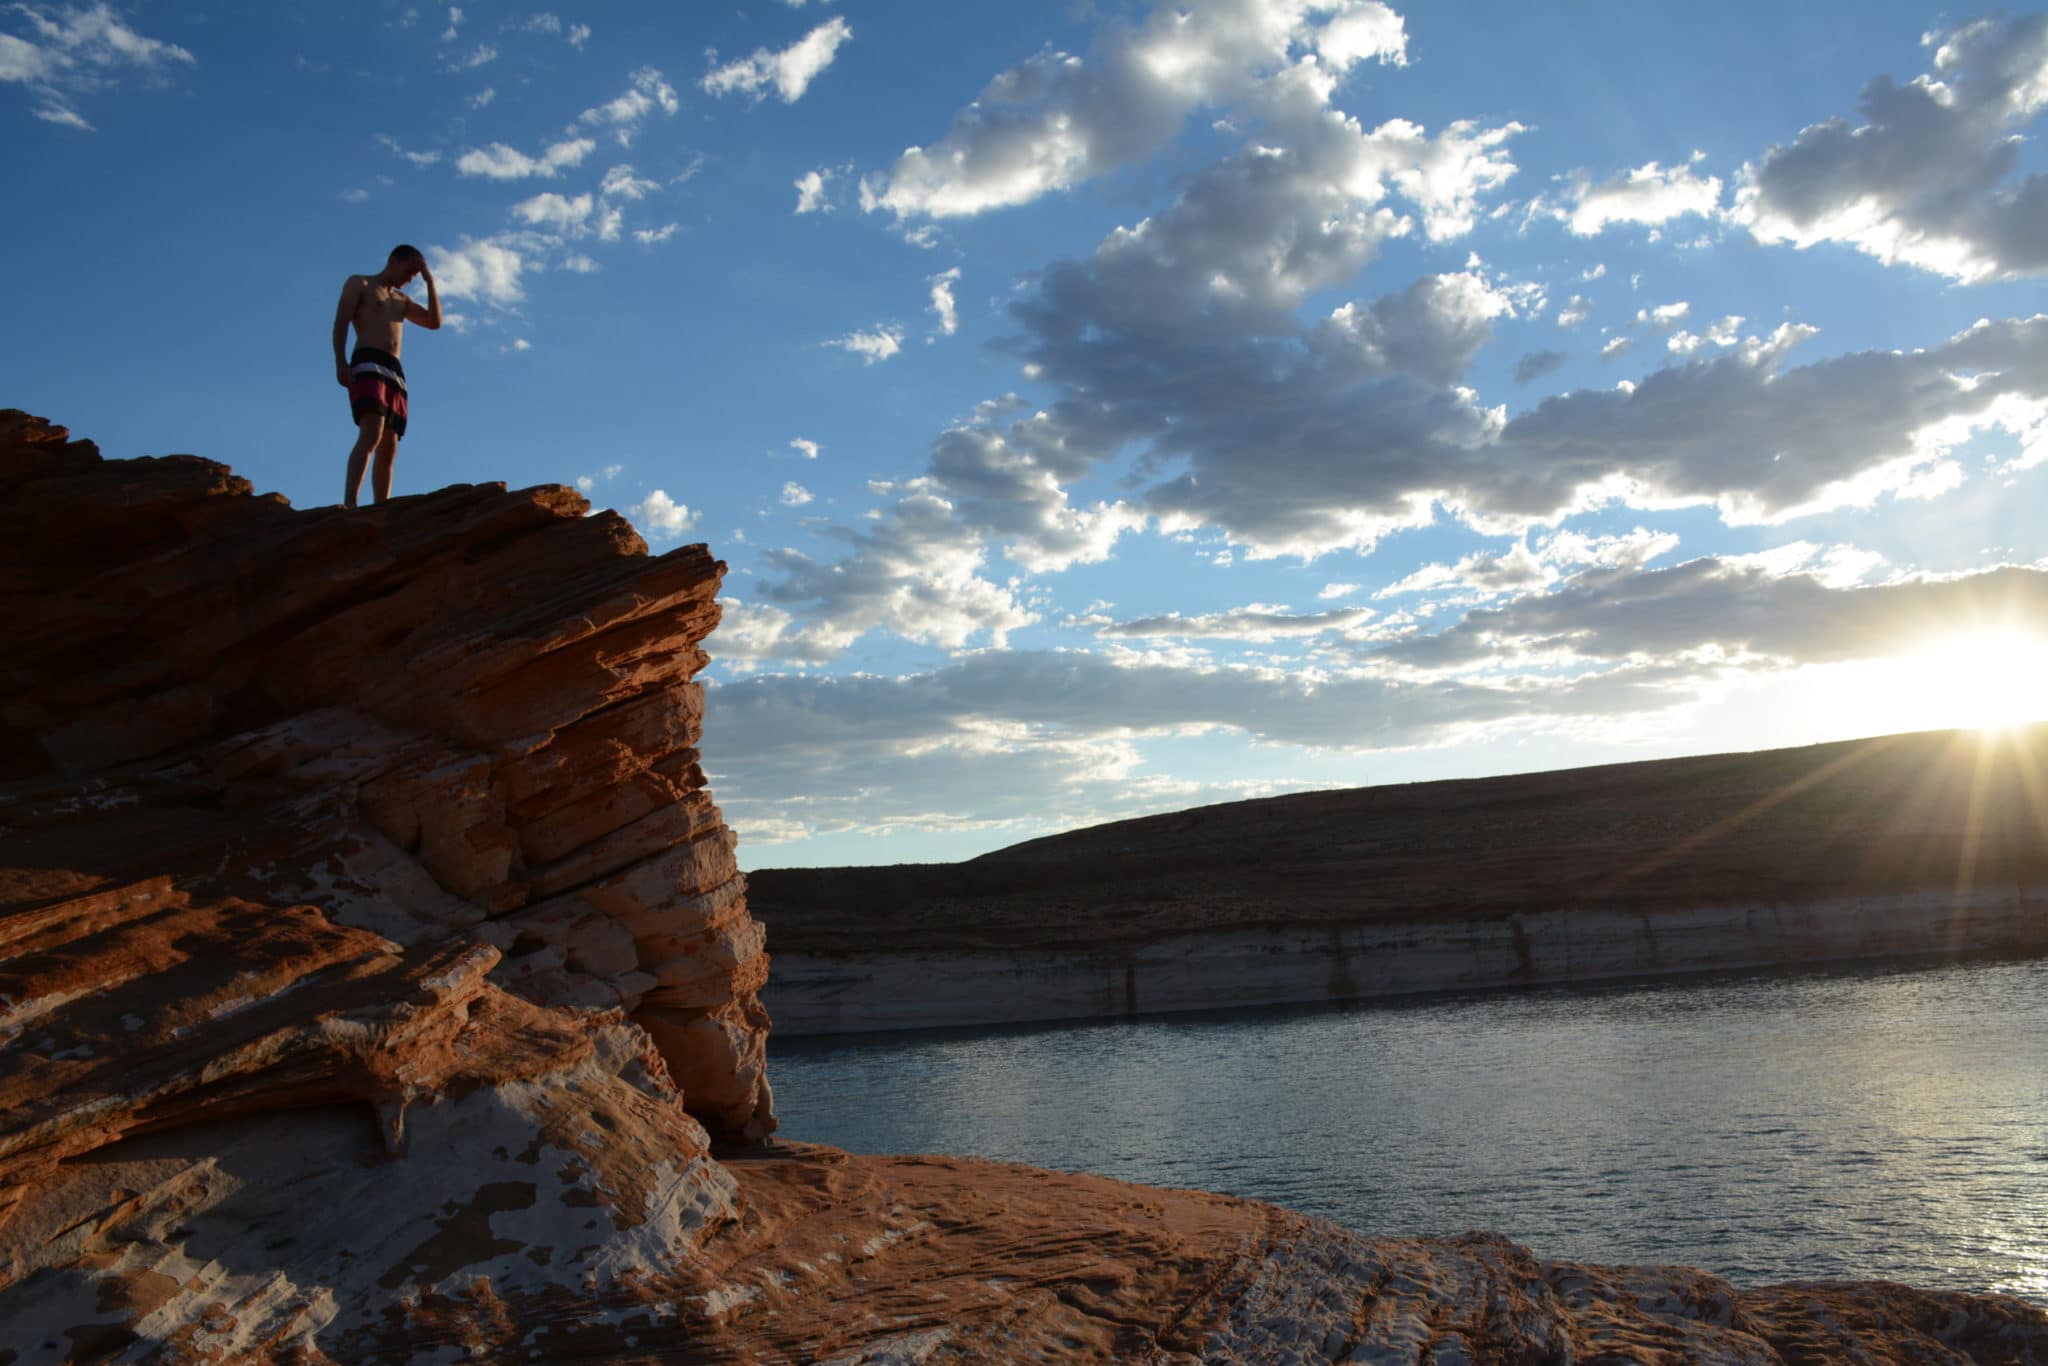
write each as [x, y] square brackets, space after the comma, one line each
[465, 704]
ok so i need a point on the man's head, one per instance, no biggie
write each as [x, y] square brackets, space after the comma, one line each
[404, 263]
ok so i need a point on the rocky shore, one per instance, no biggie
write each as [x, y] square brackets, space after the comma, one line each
[377, 985]
[1903, 847]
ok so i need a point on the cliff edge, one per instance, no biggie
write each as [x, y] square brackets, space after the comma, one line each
[377, 985]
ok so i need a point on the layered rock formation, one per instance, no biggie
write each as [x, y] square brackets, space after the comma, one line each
[1901, 846]
[463, 714]
[375, 978]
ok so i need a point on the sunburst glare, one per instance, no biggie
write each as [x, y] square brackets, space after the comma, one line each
[1985, 679]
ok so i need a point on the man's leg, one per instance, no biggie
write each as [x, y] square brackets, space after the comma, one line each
[369, 433]
[380, 473]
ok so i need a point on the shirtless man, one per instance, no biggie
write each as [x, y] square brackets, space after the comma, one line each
[380, 309]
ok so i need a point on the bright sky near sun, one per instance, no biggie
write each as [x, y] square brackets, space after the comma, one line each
[1109, 408]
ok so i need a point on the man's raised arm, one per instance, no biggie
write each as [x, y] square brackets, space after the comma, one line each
[430, 316]
[344, 313]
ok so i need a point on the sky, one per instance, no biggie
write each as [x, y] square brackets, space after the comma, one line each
[1111, 408]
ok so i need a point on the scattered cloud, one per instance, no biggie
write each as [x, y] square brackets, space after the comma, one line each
[795, 495]
[487, 269]
[481, 55]
[1926, 176]
[810, 191]
[483, 97]
[645, 92]
[74, 52]
[1059, 119]
[807, 449]
[872, 346]
[789, 72]
[1536, 364]
[661, 517]
[1257, 622]
[1650, 194]
[416, 158]
[577, 36]
[942, 300]
[1576, 310]
[1338, 590]
[648, 237]
[500, 162]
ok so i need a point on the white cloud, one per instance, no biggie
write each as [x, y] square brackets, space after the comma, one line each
[563, 214]
[482, 55]
[416, 158]
[661, 517]
[1576, 310]
[78, 52]
[485, 269]
[544, 22]
[648, 237]
[354, 196]
[1059, 119]
[1726, 332]
[1483, 571]
[623, 115]
[1664, 316]
[1258, 622]
[454, 24]
[795, 495]
[1649, 194]
[810, 191]
[500, 162]
[620, 183]
[578, 264]
[876, 345]
[789, 71]
[483, 97]
[942, 300]
[1617, 348]
[578, 35]
[1595, 273]
[1338, 590]
[808, 449]
[1926, 178]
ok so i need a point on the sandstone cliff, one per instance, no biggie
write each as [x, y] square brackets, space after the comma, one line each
[375, 979]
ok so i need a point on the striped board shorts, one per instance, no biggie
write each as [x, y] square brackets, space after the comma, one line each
[376, 384]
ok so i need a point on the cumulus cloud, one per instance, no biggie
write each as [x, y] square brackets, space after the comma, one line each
[1576, 310]
[789, 72]
[486, 269]
[1338, 590]
[915, 571]
[1925, 176]
[500, 162]
[427, 158]
[1058, 119]
[807, 449]
[1648, 194]
[645, 93]
[871, 346]
[795, 495]
[648, 237]
[810, 191]
[660, 517]
[76, 52]
[620, 183]
[942, 300]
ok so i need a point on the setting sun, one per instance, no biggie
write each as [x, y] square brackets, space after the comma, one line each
[1986, 679]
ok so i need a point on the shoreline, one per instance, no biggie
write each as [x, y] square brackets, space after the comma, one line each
[818, 995]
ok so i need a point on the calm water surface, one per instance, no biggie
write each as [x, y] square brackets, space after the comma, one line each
[1875, 1124]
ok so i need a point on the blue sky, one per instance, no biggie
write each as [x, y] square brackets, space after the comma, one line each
[1109, 408]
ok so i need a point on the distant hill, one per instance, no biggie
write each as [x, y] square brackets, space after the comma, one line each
[1898, 813]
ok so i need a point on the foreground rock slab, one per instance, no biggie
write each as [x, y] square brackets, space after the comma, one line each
[848, 1259]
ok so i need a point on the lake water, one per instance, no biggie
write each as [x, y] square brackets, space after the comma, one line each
[1839, 1125]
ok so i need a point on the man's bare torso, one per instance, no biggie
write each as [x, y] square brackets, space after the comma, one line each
[379, 316]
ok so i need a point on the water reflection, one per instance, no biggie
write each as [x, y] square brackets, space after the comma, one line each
[1768, 1127]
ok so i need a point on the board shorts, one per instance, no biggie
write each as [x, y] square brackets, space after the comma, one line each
[376, 384]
